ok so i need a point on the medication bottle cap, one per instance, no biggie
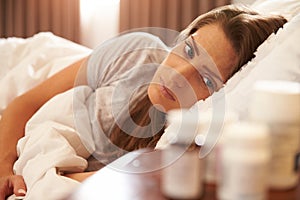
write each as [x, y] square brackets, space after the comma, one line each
[276, 101]
[246, 134]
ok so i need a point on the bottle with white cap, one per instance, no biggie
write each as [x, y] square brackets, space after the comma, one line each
[182, 178]
[277, 104]
[244, 162]
[210, 132]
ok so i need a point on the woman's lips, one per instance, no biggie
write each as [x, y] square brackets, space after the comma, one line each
[165, 91]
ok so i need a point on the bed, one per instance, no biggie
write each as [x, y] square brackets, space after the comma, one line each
[27, 62]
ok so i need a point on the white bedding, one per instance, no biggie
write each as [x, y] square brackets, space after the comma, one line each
[51, 145]
[26, 62]
[51, 142]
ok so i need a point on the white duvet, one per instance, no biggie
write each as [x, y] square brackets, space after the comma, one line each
[26, 62]
[51, 143]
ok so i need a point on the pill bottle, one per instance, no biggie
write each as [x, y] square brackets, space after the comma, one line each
[277, 104]
[182, 177]
[210, 130]
[244, 162]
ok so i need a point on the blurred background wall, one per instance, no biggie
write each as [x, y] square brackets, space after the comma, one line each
[24, 18]
[89, 22]
[172, 14]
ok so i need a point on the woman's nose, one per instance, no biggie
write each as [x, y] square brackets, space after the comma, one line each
[186, 70]
[183, 74]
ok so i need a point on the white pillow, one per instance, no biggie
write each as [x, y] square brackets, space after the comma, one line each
[287, 8]
[278, 58]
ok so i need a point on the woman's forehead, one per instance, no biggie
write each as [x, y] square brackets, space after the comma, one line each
[213, 39]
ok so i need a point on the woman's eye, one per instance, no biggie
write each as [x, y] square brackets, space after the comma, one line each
[208, 83]
[189, 51]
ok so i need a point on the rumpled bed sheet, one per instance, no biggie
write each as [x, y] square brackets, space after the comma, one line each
[51, 143]
[24, 63]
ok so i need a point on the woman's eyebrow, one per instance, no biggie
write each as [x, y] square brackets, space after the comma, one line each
[195, 45]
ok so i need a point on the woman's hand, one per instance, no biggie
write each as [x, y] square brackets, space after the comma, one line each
[12, 184]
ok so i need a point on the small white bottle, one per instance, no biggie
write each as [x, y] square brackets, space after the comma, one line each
[277, 104]
[244, 162]
[209, 125]
[182, 178]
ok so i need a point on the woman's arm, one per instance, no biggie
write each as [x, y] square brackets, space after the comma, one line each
[20, 110]
[79, 176]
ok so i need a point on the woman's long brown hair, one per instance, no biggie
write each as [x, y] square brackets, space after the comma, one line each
[245, 29]
[140, 113]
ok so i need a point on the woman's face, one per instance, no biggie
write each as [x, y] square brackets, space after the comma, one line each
[193, 70]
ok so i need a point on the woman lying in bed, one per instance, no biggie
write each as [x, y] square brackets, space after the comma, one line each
[127, 76]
